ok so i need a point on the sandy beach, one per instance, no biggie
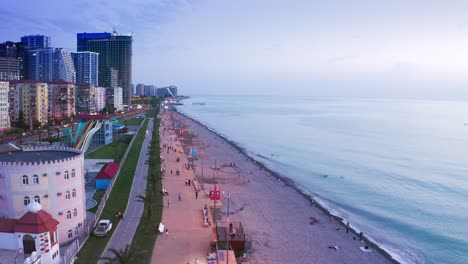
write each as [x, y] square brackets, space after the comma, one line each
[281, 224]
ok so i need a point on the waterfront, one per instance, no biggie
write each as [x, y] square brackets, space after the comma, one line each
[395, 169]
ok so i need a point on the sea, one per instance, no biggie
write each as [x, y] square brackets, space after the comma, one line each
[397, 170]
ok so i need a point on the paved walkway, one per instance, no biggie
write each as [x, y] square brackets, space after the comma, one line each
[187, 239]
[125, 231]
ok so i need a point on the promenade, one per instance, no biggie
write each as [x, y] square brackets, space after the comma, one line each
[187, 239]
[125, 230]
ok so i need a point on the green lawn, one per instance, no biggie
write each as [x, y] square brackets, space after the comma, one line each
[108, 151]
[131, 122]
[117, 201]
[97, 196]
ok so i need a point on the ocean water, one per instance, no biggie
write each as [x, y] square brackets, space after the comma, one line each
[397, 170]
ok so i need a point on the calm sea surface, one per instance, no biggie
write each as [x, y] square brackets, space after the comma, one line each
[397, 170]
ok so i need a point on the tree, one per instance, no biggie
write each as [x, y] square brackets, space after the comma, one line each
[147, 199]
[21, 122]
[121, 256]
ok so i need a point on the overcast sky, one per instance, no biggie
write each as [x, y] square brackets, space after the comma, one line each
[387, 49]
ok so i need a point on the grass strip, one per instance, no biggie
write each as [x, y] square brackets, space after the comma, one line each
[146, 233]
[108, 151]
[118, 198]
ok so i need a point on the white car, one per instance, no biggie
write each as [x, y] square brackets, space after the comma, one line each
[103, 227]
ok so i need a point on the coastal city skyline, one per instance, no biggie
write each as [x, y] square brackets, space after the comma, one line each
[402, 50]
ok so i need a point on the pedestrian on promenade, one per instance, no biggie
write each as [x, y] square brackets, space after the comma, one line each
[196, 194]
[168, 203]
[180, 198]
[167, 232]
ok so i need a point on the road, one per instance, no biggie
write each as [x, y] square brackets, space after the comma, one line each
[125, 231]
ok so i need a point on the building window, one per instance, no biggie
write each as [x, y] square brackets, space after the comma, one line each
[76, 231]
[66, 176]
[73, 173]
[67, 195]
[35, 179]
[68, 215]
[37, 199]
[70, 234]
[26, 200]
[25, 179]
[74, 193]
[75, 212]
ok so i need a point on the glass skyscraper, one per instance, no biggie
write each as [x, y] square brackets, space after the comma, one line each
[86, 67]
[36, 41]
[115, 59]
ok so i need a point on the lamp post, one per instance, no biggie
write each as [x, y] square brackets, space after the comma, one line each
[228, 224]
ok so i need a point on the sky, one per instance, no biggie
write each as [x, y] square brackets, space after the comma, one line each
[414, 49]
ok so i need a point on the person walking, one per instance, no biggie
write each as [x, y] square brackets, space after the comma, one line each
[167, 232]
[196, 194]
[180, 197]
[168, 202]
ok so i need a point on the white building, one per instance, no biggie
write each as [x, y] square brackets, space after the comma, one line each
[53, 177]
[4, 106]
[100, 98]
[32, 238]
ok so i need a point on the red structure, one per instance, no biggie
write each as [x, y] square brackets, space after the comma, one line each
[215, 194]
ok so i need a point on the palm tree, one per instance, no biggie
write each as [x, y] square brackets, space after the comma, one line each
[147, 199]
[121, 256]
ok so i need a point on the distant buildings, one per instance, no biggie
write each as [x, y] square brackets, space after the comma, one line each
[85, 98]
[115, 59]
[36, 41]
[28, 102]
[4, 106]
[100, 98]
[86, 66]
[61, 100]
[13, 61]
[50, 65]
[168, 91]
[140, 89]
[115, 98]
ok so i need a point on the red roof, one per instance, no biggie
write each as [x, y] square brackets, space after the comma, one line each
[7, 225]
[108, 171]
[35, 223]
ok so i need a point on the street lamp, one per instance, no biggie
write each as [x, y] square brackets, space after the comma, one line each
[228, 224]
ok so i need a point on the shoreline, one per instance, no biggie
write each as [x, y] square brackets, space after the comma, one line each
[290, 183]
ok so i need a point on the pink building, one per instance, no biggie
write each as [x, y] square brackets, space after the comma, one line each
[52, 177]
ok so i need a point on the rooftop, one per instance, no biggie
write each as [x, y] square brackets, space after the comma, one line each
[36, 156]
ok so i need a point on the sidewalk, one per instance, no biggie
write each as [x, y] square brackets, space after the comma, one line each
[125, 230]
[187, 239]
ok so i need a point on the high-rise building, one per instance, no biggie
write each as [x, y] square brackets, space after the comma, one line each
[9, 68]
[36, 41]
[65, 70]
[15, 52]
[140, 89]
[4, 106]
[61, 100]
[115, 52]
[86, 67]
[50, 65]
[29, 102]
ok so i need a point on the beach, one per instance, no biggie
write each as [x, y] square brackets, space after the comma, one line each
[281, 224]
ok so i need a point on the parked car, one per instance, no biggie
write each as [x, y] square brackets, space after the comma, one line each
[103, 227]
